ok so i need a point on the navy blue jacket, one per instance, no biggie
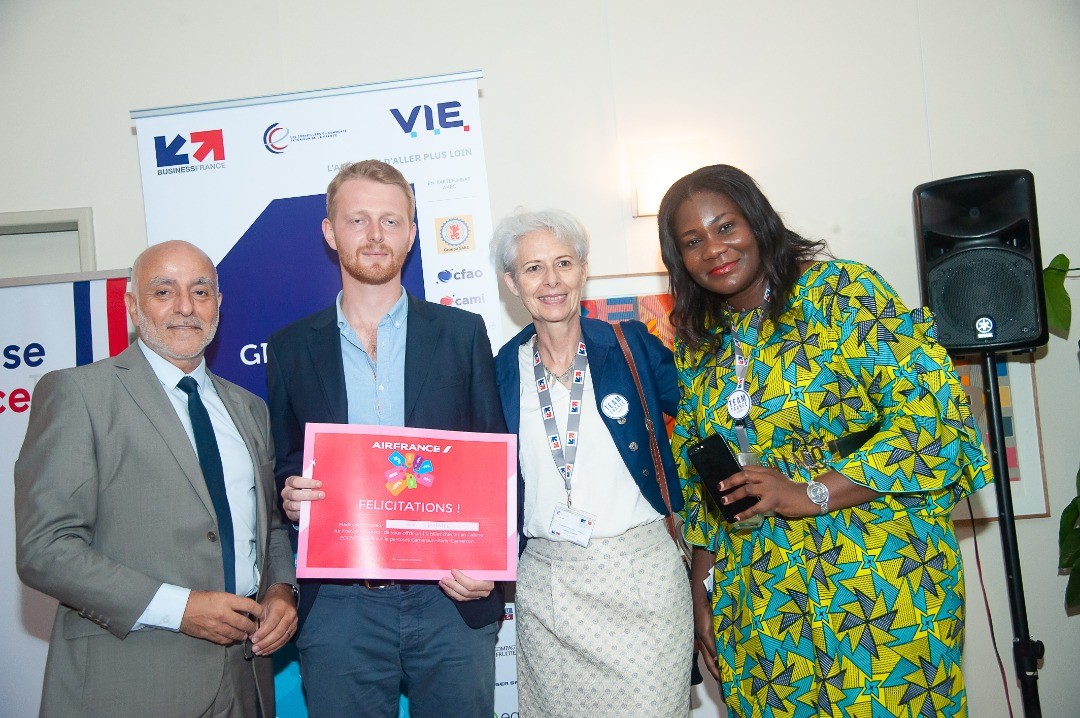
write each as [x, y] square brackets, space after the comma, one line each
[449, 385]
[611, 375]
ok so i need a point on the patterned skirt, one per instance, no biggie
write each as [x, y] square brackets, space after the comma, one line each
[605, 630]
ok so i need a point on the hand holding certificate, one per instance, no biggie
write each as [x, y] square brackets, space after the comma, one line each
[408, 504]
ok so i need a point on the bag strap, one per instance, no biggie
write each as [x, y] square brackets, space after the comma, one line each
[654, 447]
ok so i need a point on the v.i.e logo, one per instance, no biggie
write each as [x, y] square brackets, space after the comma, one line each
[175, 155]
[443, 116]
[409, 471]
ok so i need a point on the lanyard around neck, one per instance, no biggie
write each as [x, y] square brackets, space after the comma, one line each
[740, 401]
[563, 450]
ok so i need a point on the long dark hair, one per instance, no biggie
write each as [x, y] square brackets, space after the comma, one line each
[697, 310]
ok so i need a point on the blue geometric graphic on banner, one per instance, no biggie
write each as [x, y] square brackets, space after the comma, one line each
[280, 270]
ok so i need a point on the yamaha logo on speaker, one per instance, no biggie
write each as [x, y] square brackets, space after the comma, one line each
[984, 328]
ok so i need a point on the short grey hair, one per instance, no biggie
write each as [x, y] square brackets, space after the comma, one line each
[509, 232]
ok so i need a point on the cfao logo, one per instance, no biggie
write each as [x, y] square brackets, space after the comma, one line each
[454, 275]
[176, 155]
[452, 300]
[276, 138]
[443, 116]
[455, 233]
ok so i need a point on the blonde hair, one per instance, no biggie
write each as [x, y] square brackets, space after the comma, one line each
[373, 170]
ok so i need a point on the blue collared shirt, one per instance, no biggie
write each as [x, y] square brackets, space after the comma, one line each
[376, 388]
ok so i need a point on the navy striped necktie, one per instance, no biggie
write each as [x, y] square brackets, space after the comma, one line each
[210, 460]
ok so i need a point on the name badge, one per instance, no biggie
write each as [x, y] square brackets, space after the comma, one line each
[569, 524]
[738, 404]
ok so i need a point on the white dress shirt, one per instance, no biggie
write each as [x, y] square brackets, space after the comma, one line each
[166, 609]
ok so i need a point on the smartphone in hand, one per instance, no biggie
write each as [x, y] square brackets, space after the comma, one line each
[715, 462]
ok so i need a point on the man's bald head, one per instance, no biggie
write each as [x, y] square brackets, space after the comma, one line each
[174, 301]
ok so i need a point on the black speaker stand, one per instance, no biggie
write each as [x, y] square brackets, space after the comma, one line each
[1026, 651]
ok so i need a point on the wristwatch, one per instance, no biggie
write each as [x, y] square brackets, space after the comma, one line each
[819, 494]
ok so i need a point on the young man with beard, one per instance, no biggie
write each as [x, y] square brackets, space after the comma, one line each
[379, 356]
[145, 504]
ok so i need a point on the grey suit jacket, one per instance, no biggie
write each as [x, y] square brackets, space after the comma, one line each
[110, 503]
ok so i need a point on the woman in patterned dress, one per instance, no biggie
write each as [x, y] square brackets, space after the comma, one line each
[848, 599]
[604, 619]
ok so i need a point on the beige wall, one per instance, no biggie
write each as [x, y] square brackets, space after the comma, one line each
[838, 108]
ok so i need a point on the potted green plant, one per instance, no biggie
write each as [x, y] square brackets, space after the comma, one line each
[1058, 319]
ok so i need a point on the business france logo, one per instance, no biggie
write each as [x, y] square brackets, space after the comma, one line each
[455, 233]
[443, 116]
[276, 138]
[409, 471]
[175, 156]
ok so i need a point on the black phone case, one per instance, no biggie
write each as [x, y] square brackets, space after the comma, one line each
[714, 462]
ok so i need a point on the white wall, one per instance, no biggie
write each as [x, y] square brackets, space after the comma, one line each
[839, 108]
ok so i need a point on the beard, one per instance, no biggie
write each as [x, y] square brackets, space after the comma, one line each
[155, 338]
[365, 272]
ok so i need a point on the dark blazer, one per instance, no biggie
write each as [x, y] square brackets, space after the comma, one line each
[449, 385]
[611, 375]
[111, 503]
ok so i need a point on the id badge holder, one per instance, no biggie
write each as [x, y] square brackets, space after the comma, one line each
[570, 524]
[749, 524]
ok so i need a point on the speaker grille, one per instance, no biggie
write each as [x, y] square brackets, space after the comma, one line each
[981, 282]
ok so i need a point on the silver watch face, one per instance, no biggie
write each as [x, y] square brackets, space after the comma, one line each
[818, 492]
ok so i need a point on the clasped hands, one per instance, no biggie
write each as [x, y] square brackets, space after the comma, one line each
[457, 585]
[225, 618]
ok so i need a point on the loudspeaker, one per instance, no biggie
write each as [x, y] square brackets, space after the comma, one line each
[979, 262]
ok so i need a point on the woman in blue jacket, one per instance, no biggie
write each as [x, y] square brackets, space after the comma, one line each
[604, 618]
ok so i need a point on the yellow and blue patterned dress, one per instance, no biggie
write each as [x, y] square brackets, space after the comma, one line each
[860, 612]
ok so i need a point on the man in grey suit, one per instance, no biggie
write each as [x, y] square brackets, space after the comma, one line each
[145, 504]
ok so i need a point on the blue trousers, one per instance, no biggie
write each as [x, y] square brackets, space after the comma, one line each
[361, 647]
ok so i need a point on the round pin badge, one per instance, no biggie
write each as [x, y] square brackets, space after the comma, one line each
[738, 404]
[615, 406]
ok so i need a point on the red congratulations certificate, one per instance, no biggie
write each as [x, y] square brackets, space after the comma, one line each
[409, 504]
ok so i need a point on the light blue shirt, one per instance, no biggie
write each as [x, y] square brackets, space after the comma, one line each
[166, 609]
[376, 389]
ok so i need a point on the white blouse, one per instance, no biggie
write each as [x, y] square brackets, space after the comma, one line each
[601, 485]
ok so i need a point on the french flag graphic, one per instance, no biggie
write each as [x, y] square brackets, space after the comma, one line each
[101, 320]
